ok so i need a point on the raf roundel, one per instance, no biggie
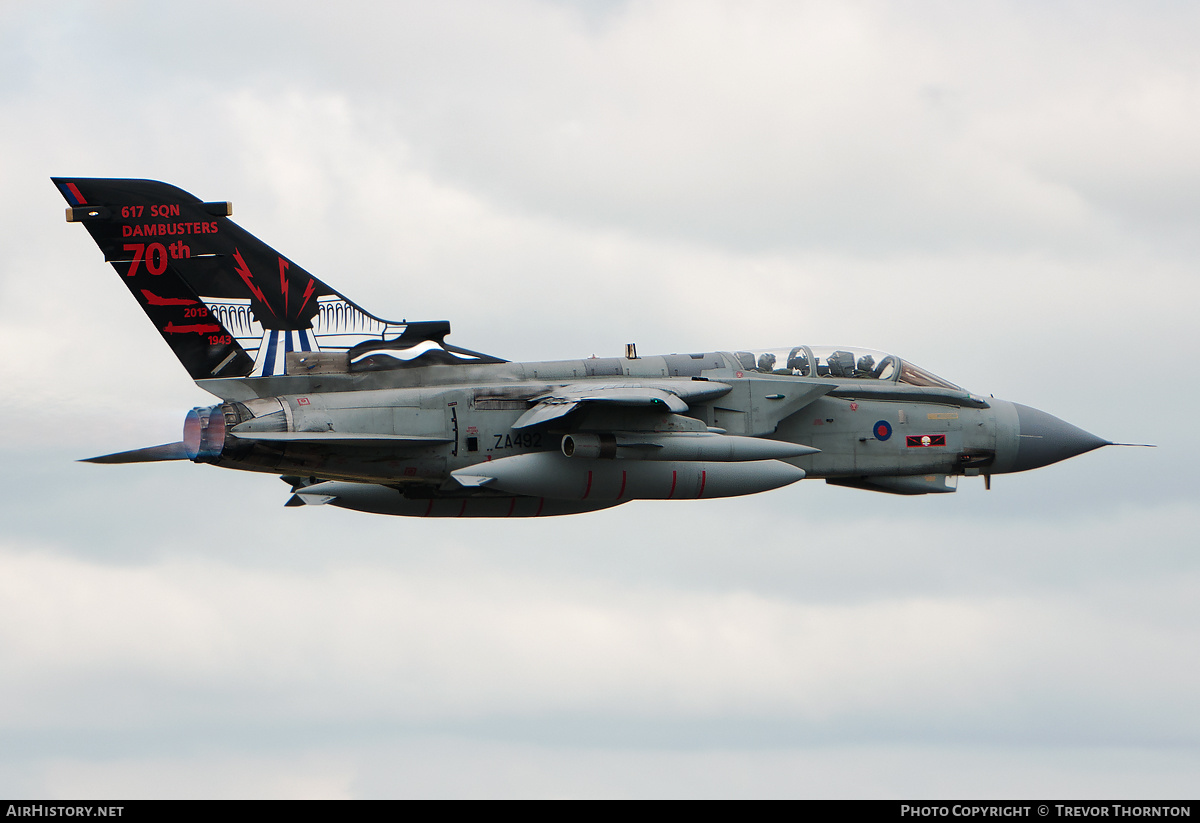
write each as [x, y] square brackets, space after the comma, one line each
[883, 430]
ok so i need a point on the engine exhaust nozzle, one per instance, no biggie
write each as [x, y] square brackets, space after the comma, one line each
[204, 434]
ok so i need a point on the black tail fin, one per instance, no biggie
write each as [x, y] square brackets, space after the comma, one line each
[226, 303]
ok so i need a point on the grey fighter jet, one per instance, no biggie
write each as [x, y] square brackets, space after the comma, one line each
[381, 416]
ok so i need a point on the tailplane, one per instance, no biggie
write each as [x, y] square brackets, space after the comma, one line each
[228, 304]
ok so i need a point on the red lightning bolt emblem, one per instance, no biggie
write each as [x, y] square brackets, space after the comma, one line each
[244, 272]
[283, 283]
[308, 292]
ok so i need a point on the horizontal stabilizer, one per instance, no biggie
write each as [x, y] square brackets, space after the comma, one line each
[150, 454]
[390, 441]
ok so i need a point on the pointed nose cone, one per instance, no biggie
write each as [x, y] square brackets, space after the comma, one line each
[1044, 439]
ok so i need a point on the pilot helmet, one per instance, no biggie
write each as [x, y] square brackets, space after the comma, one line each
[798, 360]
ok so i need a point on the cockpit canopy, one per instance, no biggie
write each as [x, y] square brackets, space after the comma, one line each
[839, 362]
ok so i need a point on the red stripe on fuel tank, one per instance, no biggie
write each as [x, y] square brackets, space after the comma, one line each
[588, 490]
[463, 510]
[512, 505]
[674, 478]
[541, 502]
[622, 491]
[429, 508]
[703, 480]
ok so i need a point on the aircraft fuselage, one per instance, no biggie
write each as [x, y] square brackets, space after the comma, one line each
[861, 432]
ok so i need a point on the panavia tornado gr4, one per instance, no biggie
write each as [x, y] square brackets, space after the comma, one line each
[381, 416]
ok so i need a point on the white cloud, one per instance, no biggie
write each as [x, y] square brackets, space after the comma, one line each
[449, 766]
[201, 641]
[1004, 194]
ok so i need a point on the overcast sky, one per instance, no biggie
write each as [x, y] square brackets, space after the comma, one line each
[1007, 194]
